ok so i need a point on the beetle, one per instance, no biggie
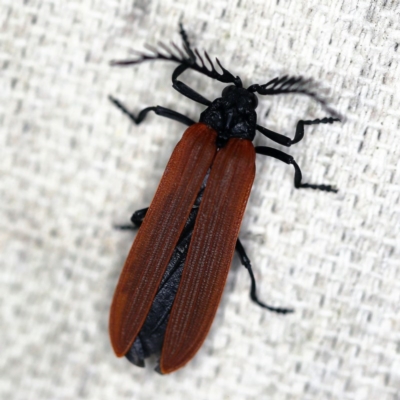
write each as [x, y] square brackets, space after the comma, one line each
[173, 278]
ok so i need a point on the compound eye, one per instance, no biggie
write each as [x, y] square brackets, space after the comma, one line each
[254, 100]
[227, 90]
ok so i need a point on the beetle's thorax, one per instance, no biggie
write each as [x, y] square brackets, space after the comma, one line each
[232, 115]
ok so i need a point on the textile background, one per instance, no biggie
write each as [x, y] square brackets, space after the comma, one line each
[72, 166]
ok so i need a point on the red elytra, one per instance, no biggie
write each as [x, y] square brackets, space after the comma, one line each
[211, 249]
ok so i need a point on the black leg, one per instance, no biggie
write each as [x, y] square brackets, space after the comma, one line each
[187, 59]
[253, 295]
[137, 219]
[184, 89]
[179, 86]
[286, 141]
[138, 216]
[162, 111]
[288, 159]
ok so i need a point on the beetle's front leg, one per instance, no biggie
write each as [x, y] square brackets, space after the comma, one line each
[184, 89]
[285, 140]
[179, 86]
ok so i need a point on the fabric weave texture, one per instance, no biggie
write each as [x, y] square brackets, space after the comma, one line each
[72, 166]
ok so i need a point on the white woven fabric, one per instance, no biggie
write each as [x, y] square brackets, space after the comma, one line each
[72, 166]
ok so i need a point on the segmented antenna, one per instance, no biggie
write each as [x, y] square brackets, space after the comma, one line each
[182, 56]
[291, 84]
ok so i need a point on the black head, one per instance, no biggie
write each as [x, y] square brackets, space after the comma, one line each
[233, 114]
[242, 97]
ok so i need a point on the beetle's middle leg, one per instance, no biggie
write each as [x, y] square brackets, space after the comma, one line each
[162, 111]
[288, 159]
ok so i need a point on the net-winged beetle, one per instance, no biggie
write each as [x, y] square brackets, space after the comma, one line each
[176, 270]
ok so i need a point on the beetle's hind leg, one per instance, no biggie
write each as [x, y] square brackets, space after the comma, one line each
[162, 111]
[137, 219]
[253, 290]
[288, 159]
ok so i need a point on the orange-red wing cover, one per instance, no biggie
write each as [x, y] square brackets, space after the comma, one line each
[159, 233]
[210, 253]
